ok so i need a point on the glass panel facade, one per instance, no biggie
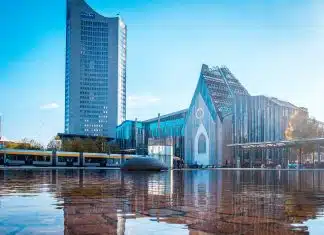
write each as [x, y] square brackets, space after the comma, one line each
[202, 144]
[260, 119]
[135, 135]
[95, 75]
[221, 113]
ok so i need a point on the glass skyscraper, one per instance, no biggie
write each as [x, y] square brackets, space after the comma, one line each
[95, 76]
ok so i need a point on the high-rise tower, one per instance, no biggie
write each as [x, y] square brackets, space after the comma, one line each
[95, 74]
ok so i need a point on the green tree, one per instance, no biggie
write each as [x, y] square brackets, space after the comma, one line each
[101, 144]
[67, 145]
[25, 143]
[89, 145]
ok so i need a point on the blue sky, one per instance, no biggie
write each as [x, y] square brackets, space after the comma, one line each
[273, 47]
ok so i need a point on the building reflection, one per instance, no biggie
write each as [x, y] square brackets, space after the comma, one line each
[203, 201]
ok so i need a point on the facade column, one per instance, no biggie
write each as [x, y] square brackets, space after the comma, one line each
[238, 158]
[54, 158]
[299, 158]
[287, 157]
[81, 160]
[251, 157]
[318, 146]
[313, 153]
[135, 132]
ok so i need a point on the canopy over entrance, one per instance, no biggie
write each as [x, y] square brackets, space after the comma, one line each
[278, 144]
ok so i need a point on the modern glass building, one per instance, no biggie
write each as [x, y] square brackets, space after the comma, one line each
[130, 135]
[95, 76]
[221, 113]
[260, 119]
[208, 124]
[137, 135]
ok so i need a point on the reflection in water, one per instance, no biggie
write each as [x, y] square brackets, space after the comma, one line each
[176, 202]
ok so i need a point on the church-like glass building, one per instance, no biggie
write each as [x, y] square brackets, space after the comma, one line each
[222, 112]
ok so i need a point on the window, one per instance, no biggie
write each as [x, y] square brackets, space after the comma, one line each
[202, 144]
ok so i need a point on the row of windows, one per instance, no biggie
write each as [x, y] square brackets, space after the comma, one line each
[93, 23]
[89, 116]
[92, 38]
[86, 59]
[93, 89]
[92, 65]
[89, 35]
[95, 48]
[96, 58]
[98, 76]
[98, 98]
[94, 43]
[104, 83]
[92, 125]
[93, 93]
[97, 69]
[94, 29]
[99, 103]
[93, 53]
[85, 111]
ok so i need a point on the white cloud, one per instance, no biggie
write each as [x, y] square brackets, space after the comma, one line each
[135, 101]
[50, 106]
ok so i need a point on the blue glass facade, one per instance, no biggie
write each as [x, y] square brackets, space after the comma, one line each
[130, 135]
[95, 74]
[222, 112]
[135, 134]
[260, 119]
[210, 115]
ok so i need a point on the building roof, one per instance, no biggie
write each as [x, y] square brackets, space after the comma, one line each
[68, 136]
[283, 103]
[169, 115]
[222, 86]
[278, 144]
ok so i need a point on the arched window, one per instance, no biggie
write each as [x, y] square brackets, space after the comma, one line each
[202, 144]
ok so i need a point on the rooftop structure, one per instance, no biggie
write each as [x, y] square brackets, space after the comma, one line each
[222, 86]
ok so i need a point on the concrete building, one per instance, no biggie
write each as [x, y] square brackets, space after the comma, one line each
[95, 76]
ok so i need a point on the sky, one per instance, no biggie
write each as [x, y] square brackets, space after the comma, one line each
[274, 47]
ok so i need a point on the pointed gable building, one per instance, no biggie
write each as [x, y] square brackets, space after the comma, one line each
[208, 125]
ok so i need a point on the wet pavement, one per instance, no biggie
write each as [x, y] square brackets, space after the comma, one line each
[196, 202]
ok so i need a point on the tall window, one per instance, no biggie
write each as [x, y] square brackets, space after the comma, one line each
[202, 144]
